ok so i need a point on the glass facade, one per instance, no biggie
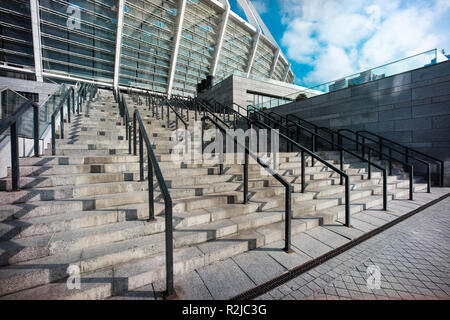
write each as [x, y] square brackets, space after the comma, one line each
[236, 48]
[78, 40]
[147, 43]
[16, 41]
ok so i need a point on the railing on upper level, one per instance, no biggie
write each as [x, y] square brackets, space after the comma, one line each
[364, 147]
[42, 116]
[316, 136]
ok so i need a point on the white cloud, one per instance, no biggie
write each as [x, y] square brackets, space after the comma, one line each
[260, 6]
[340, 37]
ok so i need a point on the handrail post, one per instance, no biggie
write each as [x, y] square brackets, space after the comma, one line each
[428, 178]
[151, 204]
[169, 248]
[15, 175]
[363, 148]
[141, 155]
[411, 186]
[288, 217]
[246, 177]
[53, 135]
[347, 201]
[61, 123]
[68, 109]
[442, 173]
[36, 130]
[369, 165]
[134, 134]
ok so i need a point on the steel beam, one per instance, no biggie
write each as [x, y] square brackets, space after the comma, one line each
[37, 47]
[176, 44]
[251, 58]
[274, 63]
[220, 37]
[120, 13]
[286, 72]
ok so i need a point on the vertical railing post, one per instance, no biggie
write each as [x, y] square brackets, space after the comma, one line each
[61, 123]
[369, 164]
[151, 201]
[134, 134]
[287, 218]
[141, 154]
[169, 247]
[68, 109]
[246, 177]
[53, 135]
[15, 175]
[36, 130]
[411, 183]
[428, 178]
[347, 201]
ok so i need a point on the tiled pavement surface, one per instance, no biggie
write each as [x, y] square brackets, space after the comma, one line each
[413, 257]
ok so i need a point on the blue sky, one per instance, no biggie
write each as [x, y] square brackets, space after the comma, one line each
[329, 39]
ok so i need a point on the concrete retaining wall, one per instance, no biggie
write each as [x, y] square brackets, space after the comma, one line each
[412, 108]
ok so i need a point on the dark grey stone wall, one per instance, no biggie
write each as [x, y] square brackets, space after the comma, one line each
[412, 108]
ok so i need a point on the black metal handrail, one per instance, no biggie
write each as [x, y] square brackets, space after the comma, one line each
[279, 178]
[388, 156]
[60, 110]
[340, 137]
[343, 150]
[313, 155]
[406, 153]
[206, 109]
[11, 123]
[134, 129]
[154, 169]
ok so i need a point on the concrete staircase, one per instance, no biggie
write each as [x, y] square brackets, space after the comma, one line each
[86, 207]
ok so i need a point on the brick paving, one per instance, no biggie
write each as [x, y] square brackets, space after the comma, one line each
[413, 257]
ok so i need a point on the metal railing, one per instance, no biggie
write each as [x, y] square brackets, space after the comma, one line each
[410, 167]
[67, 99]
[11, 123]
[340, 137]
[315, 136]
[407, 151]
[314, 156]
[279, 178]
[135, 128]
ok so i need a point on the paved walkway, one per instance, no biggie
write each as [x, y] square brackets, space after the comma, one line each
[413, 258]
